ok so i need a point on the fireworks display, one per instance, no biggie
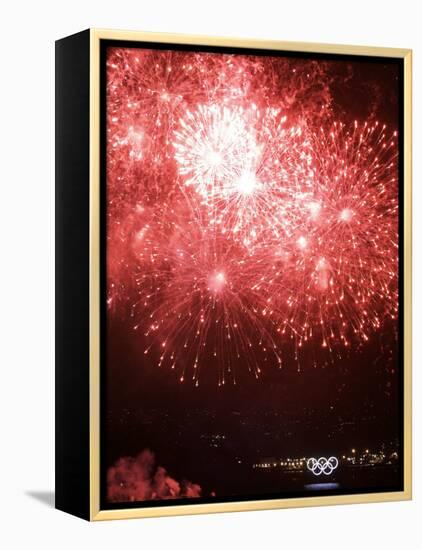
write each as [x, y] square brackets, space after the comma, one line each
[246, 220]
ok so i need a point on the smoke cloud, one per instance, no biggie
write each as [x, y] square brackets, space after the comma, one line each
[138, 478]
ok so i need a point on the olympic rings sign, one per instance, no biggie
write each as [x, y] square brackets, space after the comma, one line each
[322, 465]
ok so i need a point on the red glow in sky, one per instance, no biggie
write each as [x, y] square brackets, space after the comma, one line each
[244, 217]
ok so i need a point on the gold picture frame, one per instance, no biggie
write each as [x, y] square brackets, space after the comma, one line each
[95, 511]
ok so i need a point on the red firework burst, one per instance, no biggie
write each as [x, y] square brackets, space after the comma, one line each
[336, 279]
[233, 233]
[200, 303]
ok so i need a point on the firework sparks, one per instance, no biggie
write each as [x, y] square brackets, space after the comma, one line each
[202, 304]
[239, 226]
[340, 282]
[247, 166]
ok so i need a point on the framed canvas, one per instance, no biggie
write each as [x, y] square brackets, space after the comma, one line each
[233, 274]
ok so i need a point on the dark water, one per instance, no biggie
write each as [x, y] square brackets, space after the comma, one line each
[252, 482]
[219, 453]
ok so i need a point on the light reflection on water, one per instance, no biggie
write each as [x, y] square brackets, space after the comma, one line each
[321, 486]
